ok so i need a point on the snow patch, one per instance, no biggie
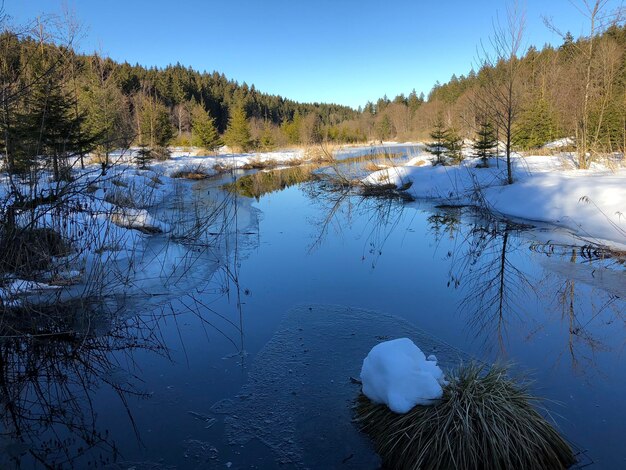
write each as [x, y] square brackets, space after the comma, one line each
[590, 203]
[396, 373]
[560, 143]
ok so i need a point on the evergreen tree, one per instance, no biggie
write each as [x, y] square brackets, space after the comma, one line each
[291, 129]
[51, 126]
[384, 129]
[106, 110]
[453, 144]
[438, 144]
[203, 131]
[266, 141]
[143, 156]
[537, 125]
[414, 102]
[237, 134]
[486, 143]
[155, 127]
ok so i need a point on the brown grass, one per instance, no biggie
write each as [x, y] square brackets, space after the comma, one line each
[483, 421]
[196, 173]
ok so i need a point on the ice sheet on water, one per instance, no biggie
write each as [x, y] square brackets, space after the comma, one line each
[299, 395]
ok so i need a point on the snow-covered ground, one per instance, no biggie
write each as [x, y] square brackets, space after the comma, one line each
[560, 143]
[192, 158]
[590, 203]
[110, 221]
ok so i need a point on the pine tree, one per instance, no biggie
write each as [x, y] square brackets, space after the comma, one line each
[203, 131]
[144, 156]
[50, 126]
[155, 127]
[384, 128]
[486, 143]
[237, 134]
[266, 142]
[438, 145]
[106, 109]
[414, 101]
[537, 125]
[454, 145]
[291, 129]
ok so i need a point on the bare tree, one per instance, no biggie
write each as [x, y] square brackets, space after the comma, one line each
[500, 93]
[599, 63]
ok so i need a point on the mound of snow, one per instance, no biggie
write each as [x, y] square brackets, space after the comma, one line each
[138, 219]
[398, 374]
[560, 143]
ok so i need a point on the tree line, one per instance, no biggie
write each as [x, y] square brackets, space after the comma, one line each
[90, 102]
[56, 101]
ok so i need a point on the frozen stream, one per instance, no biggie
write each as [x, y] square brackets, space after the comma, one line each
[247, 362]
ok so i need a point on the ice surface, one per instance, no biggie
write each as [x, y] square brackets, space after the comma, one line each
[396, 373]
[300, 393]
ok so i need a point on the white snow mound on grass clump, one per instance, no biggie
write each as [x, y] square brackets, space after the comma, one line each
[396, 373]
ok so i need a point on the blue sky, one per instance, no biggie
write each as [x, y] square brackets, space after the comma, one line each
[339, 51]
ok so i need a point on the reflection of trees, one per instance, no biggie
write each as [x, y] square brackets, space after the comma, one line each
[57, 356]
[489, 262]
[50, 363]
[341, 206]
[582, 307]
[494, 287]
[263, 182]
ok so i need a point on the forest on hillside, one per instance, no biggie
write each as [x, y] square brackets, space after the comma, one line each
[92, 103]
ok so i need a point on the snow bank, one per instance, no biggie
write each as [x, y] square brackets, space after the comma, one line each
[560, 143]
[398, 374]
[15, 288]
[138, 219]
[211, 165]
[590, 203]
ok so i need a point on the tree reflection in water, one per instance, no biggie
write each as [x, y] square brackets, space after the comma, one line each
[58, 356]
[495, 289]
[506, 284]
[494, 265]
[341, 205]
[51, 360]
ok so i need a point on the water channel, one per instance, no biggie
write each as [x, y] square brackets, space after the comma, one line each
[245, 357]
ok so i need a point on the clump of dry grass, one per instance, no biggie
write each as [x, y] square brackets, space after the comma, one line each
[120, 199]
[197, 172]
[268, 163]
[372, 166]
[24, 251]
[483, 421]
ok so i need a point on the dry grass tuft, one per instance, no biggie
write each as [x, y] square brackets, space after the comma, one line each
[26, 251]
[483, 421]
[197, 172]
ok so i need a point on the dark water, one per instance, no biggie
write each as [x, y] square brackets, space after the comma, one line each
[247, 363]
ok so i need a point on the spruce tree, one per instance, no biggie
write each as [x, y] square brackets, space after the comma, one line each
[384, 128]
[51, 126]
[203, 131]
[291, 129]
[237, 134]
[438, 145]
[144, 156]
[155, 127]
[453, 144]
[106, 107]
[537, 125]
[486, 143]
[266, 141]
